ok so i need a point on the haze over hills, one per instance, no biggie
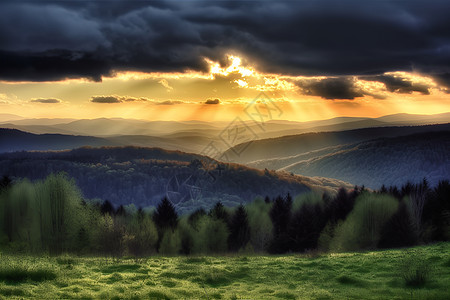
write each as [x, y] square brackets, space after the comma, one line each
[9, 117]
[273, 128]
[192, 136]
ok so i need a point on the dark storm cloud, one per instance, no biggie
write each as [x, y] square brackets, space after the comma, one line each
[69, 39]
[397, 84]
[41, 100]
[212, 101]
[331, 88]
[443, 80]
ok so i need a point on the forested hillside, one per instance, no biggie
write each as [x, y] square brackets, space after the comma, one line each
[142, 176]
[389, 161]
[276, 148]
[16, 140]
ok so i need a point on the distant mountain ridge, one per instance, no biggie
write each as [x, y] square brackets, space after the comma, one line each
[190, 136]
[16, 140]
[103, 127]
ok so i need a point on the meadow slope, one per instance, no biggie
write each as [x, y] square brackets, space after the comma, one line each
[362, 275]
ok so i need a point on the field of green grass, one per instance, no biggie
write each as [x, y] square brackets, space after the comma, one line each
[365, 275]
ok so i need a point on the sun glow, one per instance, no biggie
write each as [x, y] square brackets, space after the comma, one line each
[181, 95]
[234, 67]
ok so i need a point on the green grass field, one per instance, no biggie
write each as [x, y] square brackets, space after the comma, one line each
[366, 275]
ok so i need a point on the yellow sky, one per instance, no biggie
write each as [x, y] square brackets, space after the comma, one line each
[182, 96]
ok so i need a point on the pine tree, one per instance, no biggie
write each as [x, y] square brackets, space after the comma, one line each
[239, 229]
[398, 231]
[107, 208]
[219, 212]
[280, 214]
[436, 213]
[165, 216]
[341, 205]
[306, 225]
[5, 183]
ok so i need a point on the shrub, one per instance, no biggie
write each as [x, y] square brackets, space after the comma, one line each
[142, 235]
[211, 237]
[362, 228]
[415, 271]
[170, 243]
[260, 224]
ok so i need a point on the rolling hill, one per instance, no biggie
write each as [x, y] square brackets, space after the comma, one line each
[16, 140]
[389, 161]
[305, 144]
[142, 176]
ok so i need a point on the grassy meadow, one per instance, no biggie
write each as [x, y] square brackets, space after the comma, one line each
[416, 273]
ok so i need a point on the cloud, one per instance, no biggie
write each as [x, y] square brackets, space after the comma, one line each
[170, 102]
[331, 88]
[57, 40]
[443, 80]
[212, 101]
[46, 100]
[165, 84]
[398, 84]
[48, 27]
[117, 99]
[125, 99]
[106, 99]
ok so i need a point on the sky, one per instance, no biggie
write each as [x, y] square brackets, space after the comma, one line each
[210, 60]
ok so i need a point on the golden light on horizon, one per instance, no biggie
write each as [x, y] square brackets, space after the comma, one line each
[181, 95]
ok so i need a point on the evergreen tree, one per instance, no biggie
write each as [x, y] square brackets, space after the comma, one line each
[165, 216]
[436, 212]
[341, 205]
[107, 208]
[306, 225]
[5, 183]
[219, 212]
[239, 229]
[280, 214]
[398, 231]
[121, 212]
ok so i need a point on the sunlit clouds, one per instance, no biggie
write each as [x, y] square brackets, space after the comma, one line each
[183, 95]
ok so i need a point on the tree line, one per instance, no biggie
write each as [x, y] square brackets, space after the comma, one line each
[51, 216]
